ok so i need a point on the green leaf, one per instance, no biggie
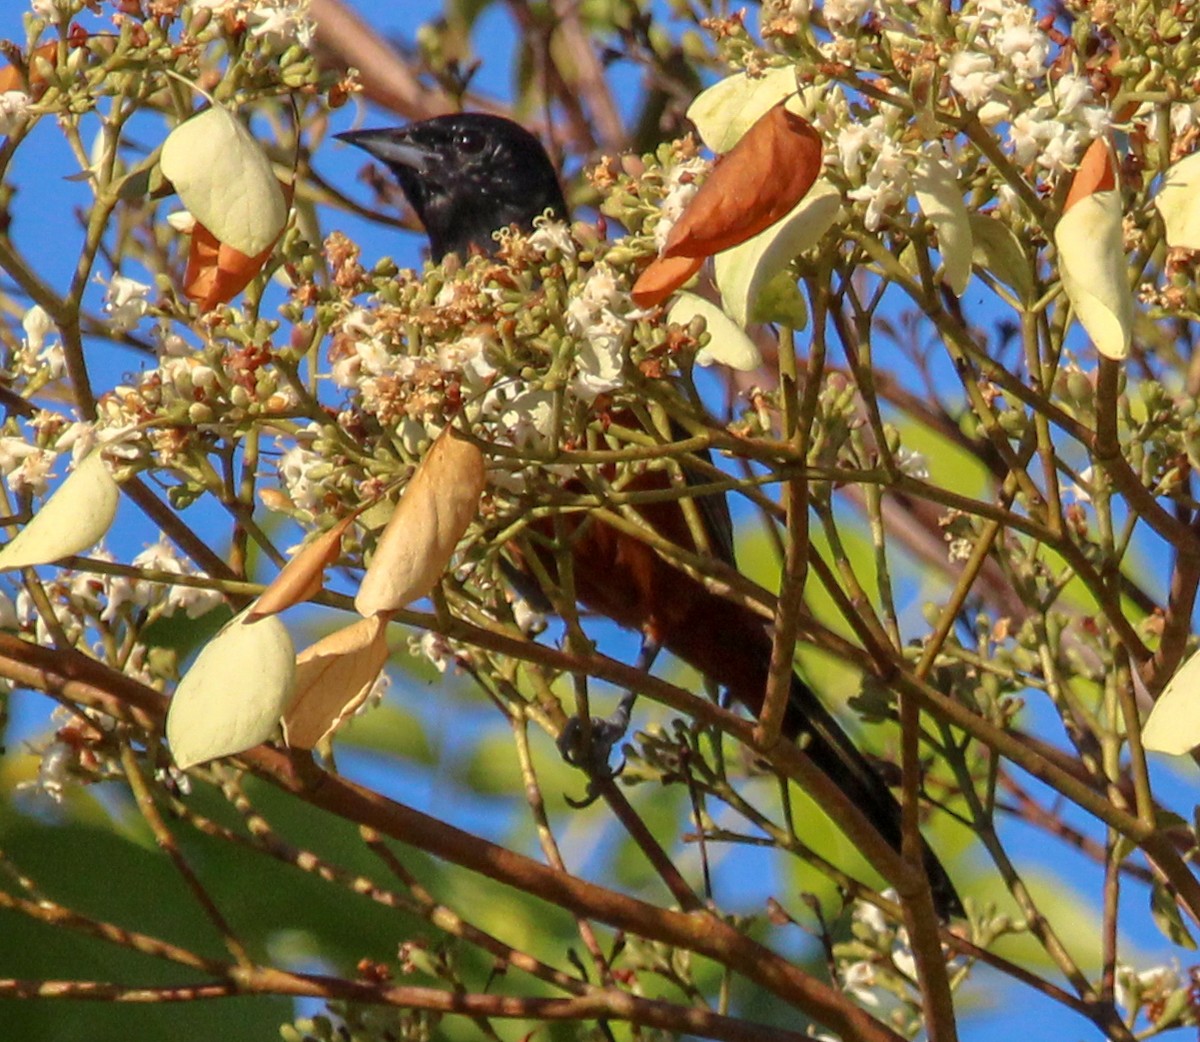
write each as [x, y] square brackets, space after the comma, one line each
[1167, 918]
[225, 180]
[724, 112]
[941, 201]
[998, 251]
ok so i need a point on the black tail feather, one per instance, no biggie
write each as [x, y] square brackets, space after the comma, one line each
[835, 755]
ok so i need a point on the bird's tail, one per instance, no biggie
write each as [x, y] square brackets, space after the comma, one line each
[836, 756]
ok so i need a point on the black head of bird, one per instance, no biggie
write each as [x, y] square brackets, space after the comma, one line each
[467, 175]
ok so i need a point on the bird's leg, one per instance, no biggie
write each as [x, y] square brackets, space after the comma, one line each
[605, 732]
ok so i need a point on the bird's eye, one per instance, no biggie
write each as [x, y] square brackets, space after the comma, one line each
[469, 142]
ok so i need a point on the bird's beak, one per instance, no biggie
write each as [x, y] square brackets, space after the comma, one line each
[391, 147]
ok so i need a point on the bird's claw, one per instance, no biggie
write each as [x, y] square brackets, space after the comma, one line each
[592, 757]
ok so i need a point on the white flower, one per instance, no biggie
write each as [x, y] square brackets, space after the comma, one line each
[871, 917]
[125, 301]
[527, 417]
[37, 323]
[194, 601]
[1132, 988]
[550, 236]
[25, 467]
[35, 355]
[14, 110]
[468, 357]
[436, 648]
[842, 13]
[959, 549]
[974, 76]
[858, 979]
[281, 22]
[681, 184]
[599, 315]
[296, 469]
[1081, 490]
[1027, 48]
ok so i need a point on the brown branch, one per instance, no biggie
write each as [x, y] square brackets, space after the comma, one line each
[75, 676]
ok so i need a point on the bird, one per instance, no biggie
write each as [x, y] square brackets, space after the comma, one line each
[469, 175]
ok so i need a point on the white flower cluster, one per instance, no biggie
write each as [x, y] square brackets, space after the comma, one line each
[78, 597]
[1006, 53]
[1000, 69]
[125, 301]
[680, 183]
[301, 471]
[14, 110]
[280, 22]
[876, 165]
[39, 360]
[408, 390]
[598, 314]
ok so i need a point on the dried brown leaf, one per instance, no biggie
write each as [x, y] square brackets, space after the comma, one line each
[333, 678]
[761, 179]
[440, 501]
[662, 277]
[1096, 173]
[304, 575]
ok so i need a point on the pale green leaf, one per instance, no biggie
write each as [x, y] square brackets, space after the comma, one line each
[726, 110]
[235, 693]
[225, 180]
[1179, 203]
[998, 251]
[1173, 725]
[781, 301]
[743, 272]
[728, 343]
[941, 201]
[72, 520]
[1091, 262]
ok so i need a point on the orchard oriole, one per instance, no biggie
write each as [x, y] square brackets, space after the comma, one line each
[471, 174]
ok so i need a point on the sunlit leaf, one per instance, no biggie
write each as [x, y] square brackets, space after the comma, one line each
[1173, 725]
[759, 181]
[233, 696]
[333, 678]
[1091, 262]
[941, 201]
[728, 343]
[1179, 203]
[726, 110]
[304, 575]
[439, 502]
[662, 277]
[72, 520]
[744, 272]
[225, 180]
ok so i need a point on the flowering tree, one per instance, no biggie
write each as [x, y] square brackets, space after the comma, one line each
[933, 325]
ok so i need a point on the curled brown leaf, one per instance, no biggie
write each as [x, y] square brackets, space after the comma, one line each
[1096, 173]
[662, 277]
[762, 178]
